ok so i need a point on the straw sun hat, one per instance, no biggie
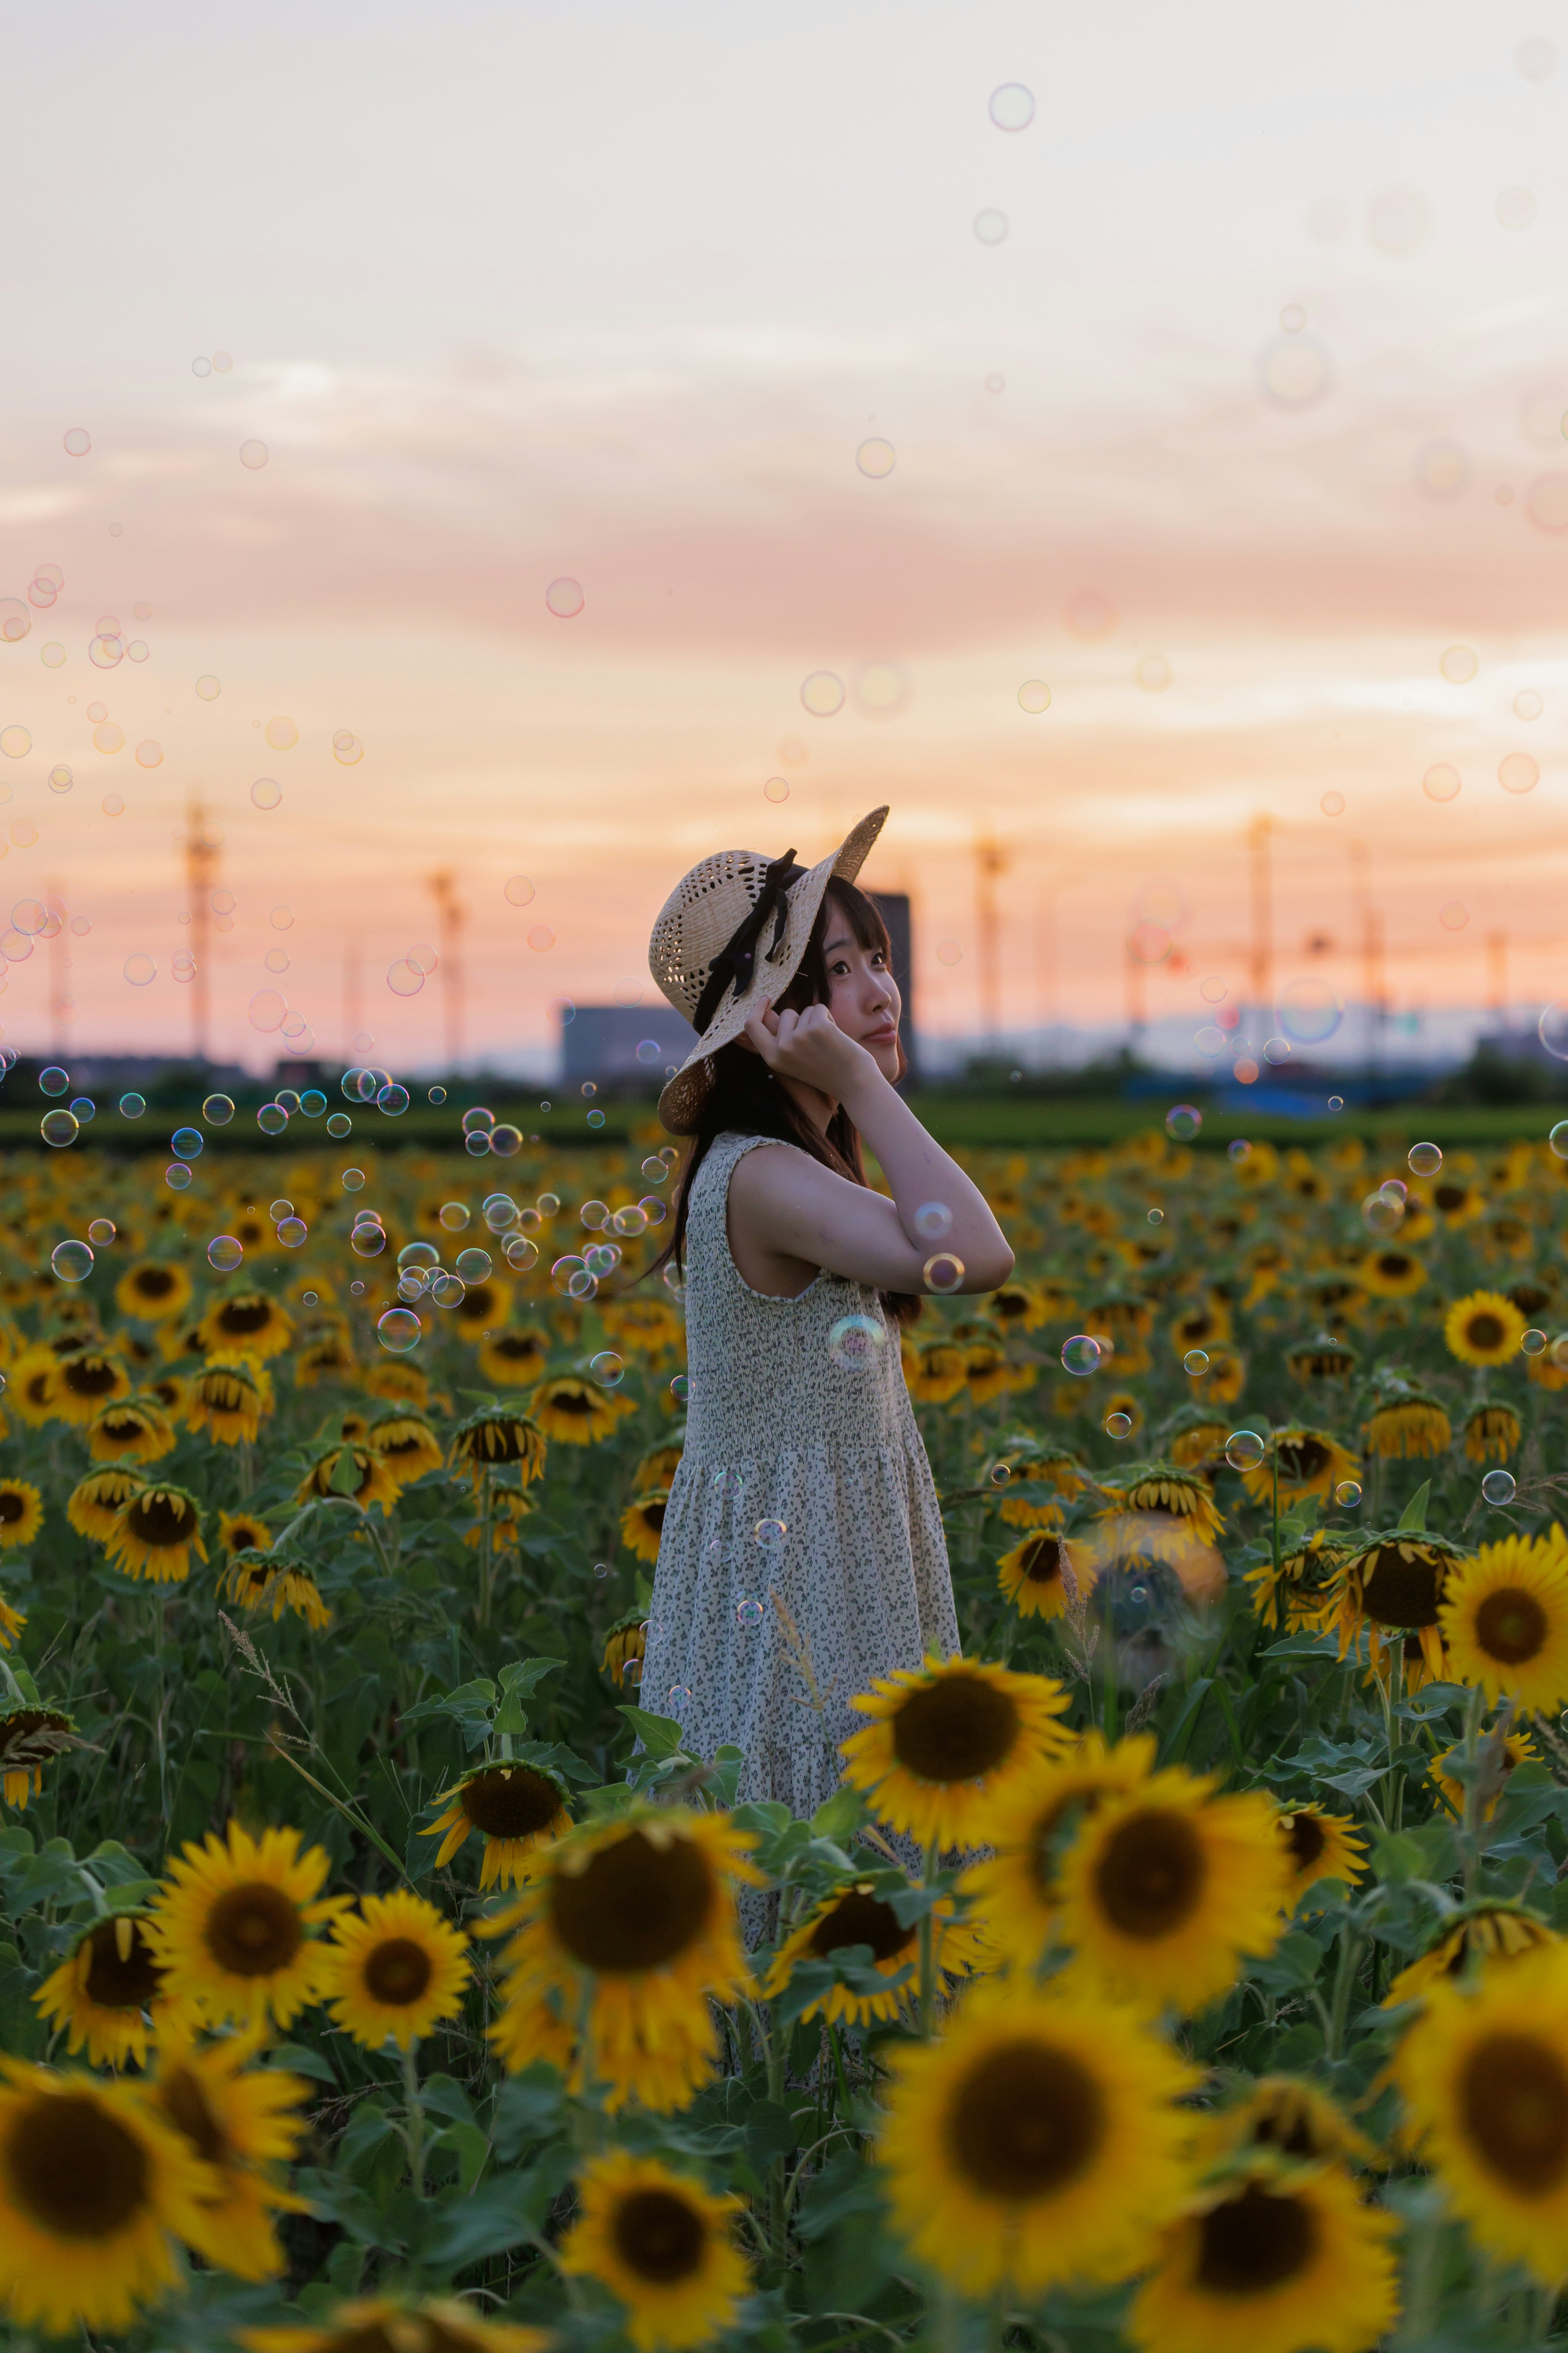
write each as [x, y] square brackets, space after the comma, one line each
[731, 932]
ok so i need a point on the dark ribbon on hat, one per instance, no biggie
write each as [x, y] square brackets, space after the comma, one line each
[736, 960]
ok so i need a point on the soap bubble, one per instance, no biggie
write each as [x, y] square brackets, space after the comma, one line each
[565, 598]
[1195, 1361]
[15, 620]
[1459, 665]
[139, 970]
[1553, 1031]
[776, 789]
[1119, 1425]
[101, 1231]
[855, 1342]
[748, 1613]
[474, 1265]
[1558, 1139]
[498, 1211]
[991, 226]
[608, 1370]
[1518, 773]
[1081, 1355]
[822, 693]
[266, 792]
[630, 1220]
[131, 1106]
[1309, 1011]
[943, 1272]
[1453, 914]
[1382, 1213]
[72, 1262]
[518, 890]
[177, 1176]
[1012, 107]
[1243, 1449]
[1397, 221]
[353, 1180]
[253, 455]
[1534, 1343]
[347, 748]
[1182, 1123]
[770, 1533]
[1441, 783]
[1336, 1102]
[1294, 370]
[218, 1111]
[1034, 696]
[281, 734]
[1425, 1160]
[1348, 1493]
[186, 1143]
[1498, 1487]
[1528, 704]
[61, 779]
[224, 1253]
[565, 1272]
[876, 459]
[1332, 803]
[293, 1232]
[78, 441]
[392, 1099]
[267, 1008]
[53, 1082]
[933, 1220]
[59, 1127]
[272, 1119]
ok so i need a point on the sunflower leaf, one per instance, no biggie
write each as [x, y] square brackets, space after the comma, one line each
[1413, 1515]
[660, 1735]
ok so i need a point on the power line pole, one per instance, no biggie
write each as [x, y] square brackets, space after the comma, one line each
[1497, 976]
[201, 874]
[1371, 977]
[990, 860]
[452, 916]
[60, 999]
[1257, 843]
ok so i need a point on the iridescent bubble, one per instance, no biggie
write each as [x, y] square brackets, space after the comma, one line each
[749, 1613]
[1332, 803]
[72, 1261]
[347, 748]
[608, 1370]
[399, 1330]
[506, 1141]
[1533, 1343]
[1119, 1425]
[404, 979]
[267, 1008]
[1527, 703]
[78, 441]
[1309, 1011]
[601, 1258]
[565, 598]
[822, 693]
[340, 1125]
[1012, 107]
[139, 970]
[131, 1106]
[776, 789]
[1153, 673]
[876, 460]
[186, 1143]
[293, 1232]
[59, 1127]
[520, 1253]
[209, 688]
[1499, 1488]
[1453, 914]
[1546, 503]
[518, 890]
[1553, 1031]
[565, 1272]
[177, 1176]
[474, 1265]
[448, 1290]
[1518, 773]
[1183, 1122]
[266, 792]
[15, 620]
[856, 1343]
[15, 743]
[393, 1099]
[1080, 1355]
[454, 1215]
[253, 455]
[630, 1220]
[1348, 1493]
[1558, 1139]
[272, 1119]
[1034, 696]
[1441, 782]
[225, 1252]
[770, 1533]
[1459, 665]
[542, 939]
[1397, 221]
[943, 1272]
[1382, 1213]
[991, 226]
[1196, 1362]
[1294, 371]
[222, 363]
[1425, 1160]
[1243, 1449]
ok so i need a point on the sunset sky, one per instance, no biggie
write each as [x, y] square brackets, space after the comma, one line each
[615, 294]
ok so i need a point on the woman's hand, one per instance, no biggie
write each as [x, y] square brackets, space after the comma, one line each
[811, 1049]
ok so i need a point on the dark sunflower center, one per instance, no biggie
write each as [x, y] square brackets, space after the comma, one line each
[956, 1729]
[241, 1318]
[253, 1930]
[153, 1281]
[127, 1424]
[1513, 2102]
[1484, 1331]
[162, 1520]
[244, 1537]
[1254, 2242]
[1305, 1837]
[397, 1971]
[185, 2104]
[1449, 1197]
[860, 1919]
[512, 1805]
[1043, 1560]
[1511, 1626]
[1152, 1873]
[406, 1443]
[75, 2170]
[501, 1442]
[1302, 1458]
[570, 1401]
[1401, 1586]
[116, 1984]
[653, 1517]
[659, 2236]
[515, 1348]
[89, 1377]
[12, 1505]
[636, 1905]
[1394, 1265]
[37, 1388]
[1025, 2121]
[479, 1302]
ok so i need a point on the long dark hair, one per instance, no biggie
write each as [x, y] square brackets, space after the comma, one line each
[747, 1100]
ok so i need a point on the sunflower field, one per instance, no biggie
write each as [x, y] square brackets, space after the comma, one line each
[1183, 1967]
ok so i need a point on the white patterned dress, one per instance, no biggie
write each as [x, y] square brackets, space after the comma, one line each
[780, 1436]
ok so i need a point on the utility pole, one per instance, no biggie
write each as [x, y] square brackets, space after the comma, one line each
[452, 916]
[60, 999]
[1257, 843]
[354, 999]
[1047, 991]
[201, 873]
[1137, 974]
[1497, 976]
[1372, 976]
[990, 860]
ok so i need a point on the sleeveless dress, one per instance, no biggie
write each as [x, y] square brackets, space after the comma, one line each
[804, 1482]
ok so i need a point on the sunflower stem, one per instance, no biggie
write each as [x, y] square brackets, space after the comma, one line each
[1344, 1985]
[414, 2112]
[1472, 1843]
[928, 1950]
[487, 1554]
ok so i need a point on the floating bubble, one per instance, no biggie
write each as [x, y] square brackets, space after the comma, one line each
[1518, 773]
[293, 1232]
[1397, 221]
[1156, 1217]
[187, 1143]
[565, 598]
[449, 1290]
[542, 939]
[177, 1176]
[1424, 1159]
[1546, 503]
[856, 1343]
[1499, 1487]
[991, 226]
[1153, 673]
[281, 734]
[1012, 107]
[54, 1081]
[1336, 1102]
[943, 1272]
[1453, 914]
[404, 979]
[1347, 1494]
[266, 792]
[1441, 782]
[61, 779]
[822, 693]
[399, 1330]
[1195, 1361]
[1308, 1012]
[1183, 1122]
[681, 1387]
[1294, 371]
[222, 363]
[109, 737]
[131, 1106]
[1292, 318]
[1081, 1355]
[139, 970]
[776, 789]
[1332, 803]
[101, 1231]
[876, 460]
[59, 1127]
[15, 743]
[1459, 665]
[1119, 1425]
[608, 1370]
[253, 455]
[1560, 1352]
[424, 958]
[1534, 1343]
[78, 441]
[1382, 1213]
[749, 1613]
[267, 1008]
[347, 748]
[506, 1141]
[474, 1265]
[72, 1262]
[149, 754]
[1243, 1449]
[1528, 704]
[630, 1220]
[15, 620]
[520, 1253]
[518, 890]
[1552, 1031]
[770, 1533]
[679, 1698]
[225, 1252]
[1209, 1040]
[339, 1124]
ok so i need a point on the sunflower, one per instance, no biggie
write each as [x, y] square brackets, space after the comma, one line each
[408, 1445]
[374, 1480]
[1224, 1381]
[1272, 2262]
[1296, 1595]
[231, 1926]
[950, 1740]
[262, 1580]
[1309, 1462]
[856, 1914]
[171, 1394]
[31, 1387]
[21, 1511]
[243, 1531]
[1406, 1423]
[1457, 1204]
[1484, 2077]
[1030, 1576]
[1290, 2117]
[153, 1290]
[242, 2124]
[1484, 1328]
[1397, 1579]
[515, 1360]
[154, 1532]
[1504, 1617]
[509, 1508]
[664, 2247]
[1488, 1933]
[397, 1969]
[94, 1502]
[986, 1372]
[134, 1429]
[642, 1523]
[330, 1358]
[497, 1434]
[30, 1738]
[1037, 2142]
[1017, 1887]
[1392, 1274]
[1492, 1434]
[1165, 1890]
[1500, 1758]
[101, 1991]
[626, 1644]
[1125, 1401]
[226, 1400]
[516, 1809]
[1195, 1437]
[577, 1413]
[178, 1340]
[1319, 1845]
[1048, 1465]
[86, 1381]
[397, 1384]
[484, 1307]
[1321, 1359]
[1160, 1491]
[939, 1374]
[644, 1327]
[12, 1622]
[383, 2323]
[91, 2184]
[658, 1465]
[249, 1320]
[642, 1907]
[1203, 1325]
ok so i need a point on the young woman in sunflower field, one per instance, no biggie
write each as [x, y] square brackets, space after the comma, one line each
[374, 1976]
[802, 1558]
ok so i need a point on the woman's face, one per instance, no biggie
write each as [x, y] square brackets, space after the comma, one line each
[862, 994]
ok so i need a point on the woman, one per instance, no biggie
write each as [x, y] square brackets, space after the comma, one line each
[802, 1554]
